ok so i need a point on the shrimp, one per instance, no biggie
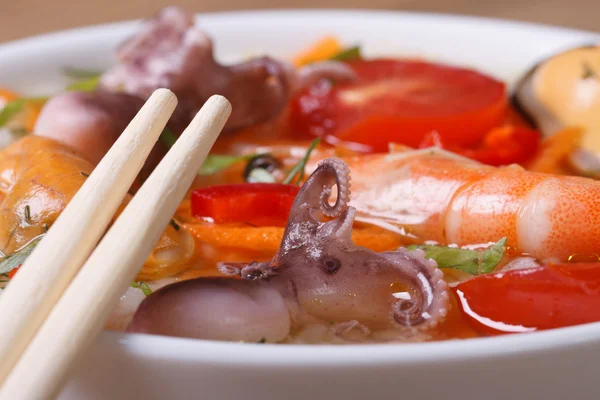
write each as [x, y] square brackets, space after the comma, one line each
[38, 178]
[434, 195]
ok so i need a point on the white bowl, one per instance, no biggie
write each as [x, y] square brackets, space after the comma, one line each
[552, 365]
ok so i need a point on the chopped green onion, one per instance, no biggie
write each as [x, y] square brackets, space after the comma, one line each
[351, 53]
[84, 85]
[78, 73]
[14, 107]
[215, 163]
[18, 257]
[470, 261]
[299, 167]
[168, 137]
[27, 213]
[262, 340]
[143, 286]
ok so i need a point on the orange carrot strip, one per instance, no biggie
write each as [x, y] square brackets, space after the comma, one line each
[267, 239]
[554, 150]
[321, 50]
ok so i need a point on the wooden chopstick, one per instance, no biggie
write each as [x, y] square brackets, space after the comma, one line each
[86, 304]
[32, 293]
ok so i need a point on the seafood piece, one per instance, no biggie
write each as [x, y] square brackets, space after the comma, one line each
[38, 178]
[564, 91]
[317, 274]
[171, 52]
[434, 195]
[90, 123]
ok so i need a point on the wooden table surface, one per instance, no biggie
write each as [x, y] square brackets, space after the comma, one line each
[21, 18]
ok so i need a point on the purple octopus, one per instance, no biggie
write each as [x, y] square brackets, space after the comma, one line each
[318, 274]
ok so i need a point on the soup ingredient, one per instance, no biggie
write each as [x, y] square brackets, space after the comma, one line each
[525, 300]
[38, 178]
[90, 123]
[260, 204]
[299, 168]
[401, 101]
[171, 52]
[556, 153]
[471, 261]
[501, 146]
[564, 91]
[445, 198]
[262, 162]
[324, 49]
[14, 261]
[215, 163]
[318, 273]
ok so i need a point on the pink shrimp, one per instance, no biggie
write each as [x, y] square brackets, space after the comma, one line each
[433, 195]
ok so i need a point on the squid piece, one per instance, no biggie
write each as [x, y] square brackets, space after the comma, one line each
[171, 52]
[318, 274]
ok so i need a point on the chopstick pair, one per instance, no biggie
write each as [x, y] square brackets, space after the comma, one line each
[58, 302]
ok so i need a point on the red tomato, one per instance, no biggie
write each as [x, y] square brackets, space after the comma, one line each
[501, 146]
[261, 204]
[401, 101]
[531, 299]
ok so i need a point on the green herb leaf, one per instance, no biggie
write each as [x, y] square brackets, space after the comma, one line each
[143, 286]
[299, 168]
[215, 163]
[351, 53]
[84, 85]
[79, 73]
[18, 257]
[260, 175]
[471, 261]
[168, 137]
[14, 107]
[262, 340]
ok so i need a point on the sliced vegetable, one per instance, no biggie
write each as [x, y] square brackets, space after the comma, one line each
[471, 261]
[17, 258]
[215, 163]
[322, 50]
[168, 137]
[29, 105]
[143, 286]
[259, 204]
[260, 175]
[526, 300]
[85, 85]
[300, 166]
[501, 146]
[351, 53]
[401, 101]
[79, 73]
[267, 239]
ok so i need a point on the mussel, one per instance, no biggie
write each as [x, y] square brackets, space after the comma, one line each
[564, 91]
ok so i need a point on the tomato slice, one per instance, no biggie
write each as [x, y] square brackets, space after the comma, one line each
[401, 101]
[532, 299]
[501, 146]
[260, 204]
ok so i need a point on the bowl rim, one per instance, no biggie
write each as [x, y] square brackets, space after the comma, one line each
[151, 347]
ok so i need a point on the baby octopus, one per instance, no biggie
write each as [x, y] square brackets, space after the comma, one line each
[318, 274]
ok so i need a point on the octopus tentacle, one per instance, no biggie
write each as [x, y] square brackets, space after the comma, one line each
[429, 301]
[316, 191]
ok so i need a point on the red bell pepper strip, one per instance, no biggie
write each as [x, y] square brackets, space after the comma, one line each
[260, 204]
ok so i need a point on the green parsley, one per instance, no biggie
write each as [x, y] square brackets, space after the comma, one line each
[300, 166]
